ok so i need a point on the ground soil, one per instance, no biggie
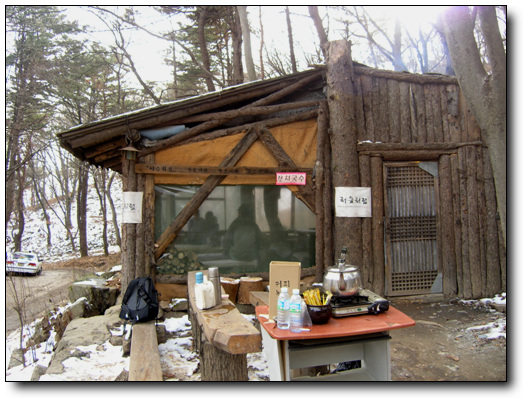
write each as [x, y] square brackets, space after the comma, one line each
[439, 348]
[442, 348]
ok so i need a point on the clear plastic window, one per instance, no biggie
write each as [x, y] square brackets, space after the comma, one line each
[238, 229]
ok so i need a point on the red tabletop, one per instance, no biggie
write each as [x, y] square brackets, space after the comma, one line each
[339, 327]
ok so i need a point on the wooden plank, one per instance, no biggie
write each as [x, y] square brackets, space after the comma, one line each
[165, 169]
[259, 298]
[145, 358]
[224, 326]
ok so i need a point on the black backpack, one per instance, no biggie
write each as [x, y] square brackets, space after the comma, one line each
[140, 302]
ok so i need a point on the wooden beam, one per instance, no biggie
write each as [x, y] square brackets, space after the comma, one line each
[206, 126]
[304, 192]
[205, 190]
[98, 132]
[295, 117]
[166, 169]
[250, 111]
[413, 146]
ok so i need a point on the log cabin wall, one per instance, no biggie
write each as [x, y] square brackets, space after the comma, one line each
[399, 118]
[411, 118]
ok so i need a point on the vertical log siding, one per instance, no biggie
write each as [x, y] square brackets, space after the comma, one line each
[393, 109]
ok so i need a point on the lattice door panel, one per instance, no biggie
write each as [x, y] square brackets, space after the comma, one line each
[410, 229]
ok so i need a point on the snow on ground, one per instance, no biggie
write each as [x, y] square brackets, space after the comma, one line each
[179, 363]
[105, 362]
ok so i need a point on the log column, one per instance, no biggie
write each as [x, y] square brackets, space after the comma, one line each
[343, 135]
[128, 230]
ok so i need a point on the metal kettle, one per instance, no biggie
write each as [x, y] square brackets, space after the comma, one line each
[343, 280]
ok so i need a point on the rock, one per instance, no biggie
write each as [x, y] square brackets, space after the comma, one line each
[161, 334]
[99, 296]
[124, 376]
[81, 332]
[499, 307]
[38, 371]
[17, 358]
[79, 309]
[116, 340]
[42, 330]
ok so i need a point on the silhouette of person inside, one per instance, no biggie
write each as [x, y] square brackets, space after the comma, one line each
[197, 230]
[243, 240]
[212, 228]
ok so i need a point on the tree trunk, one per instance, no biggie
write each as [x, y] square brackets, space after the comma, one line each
[113, 210]
[19, 208]
[485, 93]
[236, 33]
[291, 40]
[202, 19]
[81, 206]
[345, 161]
[247, 49]
[313, 12]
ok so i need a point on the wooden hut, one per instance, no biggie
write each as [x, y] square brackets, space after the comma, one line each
[432, 225]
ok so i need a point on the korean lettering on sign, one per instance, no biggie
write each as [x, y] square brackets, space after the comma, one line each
[132, 207]
[291, 178]
[353, 202]
[279, 284]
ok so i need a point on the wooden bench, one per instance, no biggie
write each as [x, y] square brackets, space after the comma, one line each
[223, 338]
[145, 358]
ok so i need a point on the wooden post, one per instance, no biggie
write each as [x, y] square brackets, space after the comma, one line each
[128, 230]
[345, 163]
[248, 284]
[378, 233]
[323, 127]
[149, 205]
[448, 249]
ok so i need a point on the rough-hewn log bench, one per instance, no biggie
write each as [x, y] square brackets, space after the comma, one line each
[223, 338]
[144, 364]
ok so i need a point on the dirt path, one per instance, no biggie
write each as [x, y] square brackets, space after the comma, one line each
[43, 292]
[442, 348]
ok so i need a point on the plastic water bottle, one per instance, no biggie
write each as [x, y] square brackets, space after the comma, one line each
[295, 311]
[283, 316]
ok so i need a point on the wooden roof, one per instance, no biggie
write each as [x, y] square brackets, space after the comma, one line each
[100, 142]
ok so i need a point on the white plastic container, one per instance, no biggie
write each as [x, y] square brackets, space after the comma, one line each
[295, 311]
[283, 315]
[204, 292]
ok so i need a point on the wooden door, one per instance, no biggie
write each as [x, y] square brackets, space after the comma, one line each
[411, 228]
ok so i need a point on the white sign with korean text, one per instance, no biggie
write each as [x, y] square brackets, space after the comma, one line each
[132, 207]
[353, 202]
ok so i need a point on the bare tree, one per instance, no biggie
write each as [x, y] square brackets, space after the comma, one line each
[314, 14]
[484, 86]
[291, 40]
[99, 177]
[247, 49]
[113, 209]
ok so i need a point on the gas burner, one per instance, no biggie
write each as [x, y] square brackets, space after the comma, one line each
[366, 302]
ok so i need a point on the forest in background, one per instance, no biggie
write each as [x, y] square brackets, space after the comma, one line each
[59, 75]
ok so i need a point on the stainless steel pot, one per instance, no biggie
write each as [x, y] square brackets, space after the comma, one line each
[343, 280]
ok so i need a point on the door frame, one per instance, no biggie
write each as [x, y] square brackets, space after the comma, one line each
[437, 286]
